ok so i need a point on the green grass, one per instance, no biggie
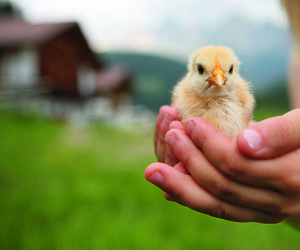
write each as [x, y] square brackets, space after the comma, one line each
[66, 188]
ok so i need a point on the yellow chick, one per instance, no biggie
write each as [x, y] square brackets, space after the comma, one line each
[214, 91]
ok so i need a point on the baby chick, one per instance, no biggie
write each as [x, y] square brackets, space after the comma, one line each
[214, 91]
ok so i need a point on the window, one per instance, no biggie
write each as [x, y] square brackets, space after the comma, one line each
[86, 80]
[19, 68]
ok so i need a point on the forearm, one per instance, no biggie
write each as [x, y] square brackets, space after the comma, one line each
[294, 87]
[294, 82]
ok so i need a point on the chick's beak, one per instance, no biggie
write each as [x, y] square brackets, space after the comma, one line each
[218, 76]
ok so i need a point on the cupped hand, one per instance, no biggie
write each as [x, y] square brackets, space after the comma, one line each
[256, 178]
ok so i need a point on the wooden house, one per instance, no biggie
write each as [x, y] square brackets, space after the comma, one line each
[56, 56]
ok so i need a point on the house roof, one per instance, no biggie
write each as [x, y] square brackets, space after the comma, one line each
[16, 31]
[112, 78]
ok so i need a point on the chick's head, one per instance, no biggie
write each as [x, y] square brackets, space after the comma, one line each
[213, 71]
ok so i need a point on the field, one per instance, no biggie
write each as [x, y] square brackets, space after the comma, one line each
[63, 187]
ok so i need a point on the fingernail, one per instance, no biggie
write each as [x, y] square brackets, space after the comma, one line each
[171, 138]
[252, 138]
[175, 125]
[189, 125]
[156, 178]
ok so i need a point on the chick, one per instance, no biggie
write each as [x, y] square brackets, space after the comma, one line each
[214, 91]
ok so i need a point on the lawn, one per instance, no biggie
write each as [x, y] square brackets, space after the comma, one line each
[63, 187]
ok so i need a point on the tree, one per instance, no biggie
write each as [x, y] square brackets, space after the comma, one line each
[7, 9]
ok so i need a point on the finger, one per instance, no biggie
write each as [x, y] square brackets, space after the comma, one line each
[278, 174]
[164, 110]
[170, 158]
[158, 137]
[170, 112]
[278, 178]
[166, 116]
[288, 172]
[224, 155]
[176, 125]
[181, 168]
[271, 137]
[183, 189]
[216, 183]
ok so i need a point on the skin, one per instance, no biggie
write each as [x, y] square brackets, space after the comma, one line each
[255, 178]
[294, 79]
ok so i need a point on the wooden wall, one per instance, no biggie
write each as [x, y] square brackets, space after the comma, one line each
[62, 57]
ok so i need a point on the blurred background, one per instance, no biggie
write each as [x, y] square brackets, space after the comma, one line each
[81, 83]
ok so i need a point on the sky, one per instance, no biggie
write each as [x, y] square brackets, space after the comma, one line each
[148, 25]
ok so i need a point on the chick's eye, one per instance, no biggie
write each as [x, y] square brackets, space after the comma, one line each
[200, 69]
[231, 69]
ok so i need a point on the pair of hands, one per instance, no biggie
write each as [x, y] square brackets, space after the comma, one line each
[255, 178]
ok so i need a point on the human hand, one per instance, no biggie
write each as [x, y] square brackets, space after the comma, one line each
[273, 142]
[166, 116]
[224, 181]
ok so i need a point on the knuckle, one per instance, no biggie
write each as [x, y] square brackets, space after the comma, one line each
[219, 212]
[291, 182]
[179, 193]
[287, 212]
[187, 160]
[234, 170]
[231, 166]
[287, 209]
[164, 128]
[221, 189]
[273, 219]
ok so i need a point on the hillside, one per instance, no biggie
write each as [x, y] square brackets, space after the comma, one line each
[154, 76]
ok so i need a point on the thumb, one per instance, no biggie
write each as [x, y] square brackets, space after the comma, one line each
[271, 137]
